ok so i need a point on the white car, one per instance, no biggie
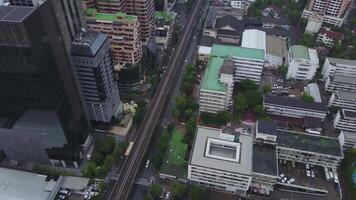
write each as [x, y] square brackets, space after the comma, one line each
[284, 179]
[147, 163]
[281, 176]
[168, 194]
[336, 179]
[308, 173]
[312, 174]
[307, 166]
[290, 180]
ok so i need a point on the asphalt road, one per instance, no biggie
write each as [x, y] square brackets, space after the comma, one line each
[131, 165]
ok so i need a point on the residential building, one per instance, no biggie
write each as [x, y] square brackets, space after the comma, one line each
[343, 99]
[273, 22]
[221, 159]
[303, 63]
[144, 10]
[204, 53]
[217, 86]
[338, 66]
[22, 185]
[333, 12]
[276, 51]
[312, 89]
[124, 34]
[347, 139]
[314, 24]
[340, 83]
[228, 30]
[92, 55]
[292, 107]
[329, 38]
[164, 27]
[36, 73]
[309, 148]
[345, 120]
[255, 39]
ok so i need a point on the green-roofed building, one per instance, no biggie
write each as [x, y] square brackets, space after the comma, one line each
[123, 30]
[228, 64]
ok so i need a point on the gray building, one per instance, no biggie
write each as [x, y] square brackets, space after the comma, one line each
[93, 58]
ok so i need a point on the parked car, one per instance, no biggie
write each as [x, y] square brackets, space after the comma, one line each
[312, 174]
[147, 163]
[308, 173]
[281, 176]
[168, 194]
[291, 180]
[284, 179]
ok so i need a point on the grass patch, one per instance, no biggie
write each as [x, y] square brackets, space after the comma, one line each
[174, 162]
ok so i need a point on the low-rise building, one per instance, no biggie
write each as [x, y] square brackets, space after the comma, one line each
[292, 107]
[276, 51]
[303, 63]
[254, 38]
[340, 83]
[343, 99]
[217, 86]
[228, 30]
[345, 120]
[309, 148]
[312, 89]
[338, 66]
[264, 168]
[164, 27]
[347, 140]
[221, 160]
[266, 131]
[328, 37]
[124, 33]
[273, 22]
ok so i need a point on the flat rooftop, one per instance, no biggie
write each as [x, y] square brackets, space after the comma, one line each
[15, 13]
[92, 13]
[344, 79]
[198, 156]
[346, 95]
[239, 52]
[293, 102]
[20, 185]
[299, 51]
[309, 143]
[339, 61]
[265, 159]
[348, 114]
[266, 127]
[211, 79]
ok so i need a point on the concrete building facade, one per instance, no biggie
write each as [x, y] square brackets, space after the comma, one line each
[303, 63]
[92, 55]
[123, 31]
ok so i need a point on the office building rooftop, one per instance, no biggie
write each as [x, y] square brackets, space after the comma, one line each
[92, 13]
[309, 143]
[299, 51]
[264, 159]
[212, 152]
[293, 102]
[15, 13]
[211, 76]
[88, 43]
[266, 127]
[239, 52]
[20, 185]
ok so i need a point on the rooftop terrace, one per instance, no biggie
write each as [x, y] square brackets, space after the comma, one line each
[92, 13]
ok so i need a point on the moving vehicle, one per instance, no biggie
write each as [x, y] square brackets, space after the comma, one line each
[129, 148]
[147, 163]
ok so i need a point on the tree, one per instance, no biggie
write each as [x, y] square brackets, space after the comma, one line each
[308, 98]
[89, 170]
[155, 190]
[140, 111]
[184, 108]
[178, 190]
[240, 103]
[196, 193]
[353, 22]
[307, 40]
[253, 98]
[218, 119]
[267, 89]
[282, 70]
[191, 126]
[248, 84]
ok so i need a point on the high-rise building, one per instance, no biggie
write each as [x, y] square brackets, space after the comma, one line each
[303, 63]
[37, 73]
[93, 58]
[143, 9]
[123, 31]
[334, 12]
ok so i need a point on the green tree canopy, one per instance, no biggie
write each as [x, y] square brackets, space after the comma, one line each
[308, 98]
[267, 89]
[218, 119]
[307, 40]
[196, 193]
[155, 190]
[178, 190]
[248, 84]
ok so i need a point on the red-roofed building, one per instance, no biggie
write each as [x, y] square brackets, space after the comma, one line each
[328, 37]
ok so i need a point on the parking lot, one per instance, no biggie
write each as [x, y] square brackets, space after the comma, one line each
[315, 178]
